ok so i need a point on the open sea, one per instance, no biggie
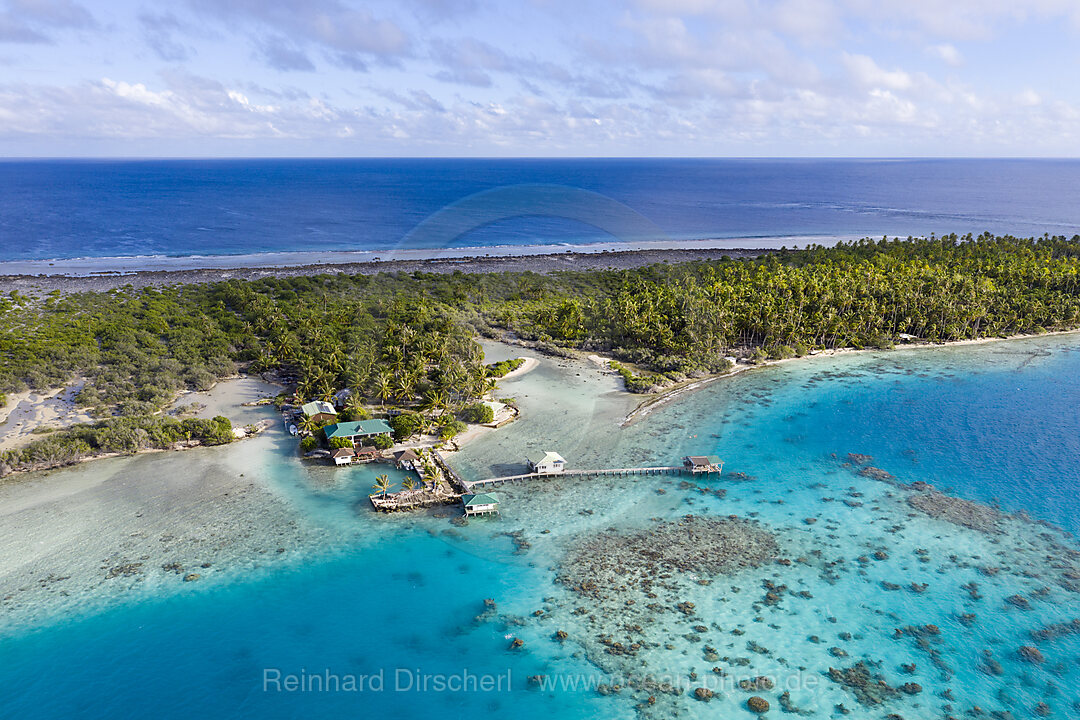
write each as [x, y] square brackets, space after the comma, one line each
[61, 209]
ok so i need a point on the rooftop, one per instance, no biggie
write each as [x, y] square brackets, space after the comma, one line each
[357, 427]
[480, 499]
[406, 454]
[547, 456]
[701, 460]
[318, 406]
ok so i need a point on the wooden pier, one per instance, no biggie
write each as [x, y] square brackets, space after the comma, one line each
[459, 483]
[609, 472]
[450, 487]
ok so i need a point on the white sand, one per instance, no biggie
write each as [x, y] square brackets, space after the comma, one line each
[529, 365]
[28, 411]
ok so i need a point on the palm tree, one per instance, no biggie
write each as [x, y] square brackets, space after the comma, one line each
[383, 484]
[310, 425]
[408, 483]
[384, 387]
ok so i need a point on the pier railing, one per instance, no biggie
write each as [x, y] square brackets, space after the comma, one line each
[615, 472]
[407, 500]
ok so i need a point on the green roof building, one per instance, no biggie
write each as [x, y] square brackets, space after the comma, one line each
[480, 504]
[357, 429]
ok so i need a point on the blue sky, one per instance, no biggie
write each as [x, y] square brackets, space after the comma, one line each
[540, 78]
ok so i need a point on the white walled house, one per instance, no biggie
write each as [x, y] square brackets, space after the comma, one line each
[546, 463]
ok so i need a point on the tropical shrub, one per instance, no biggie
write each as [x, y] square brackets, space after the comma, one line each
[478, 413]
[406, 425]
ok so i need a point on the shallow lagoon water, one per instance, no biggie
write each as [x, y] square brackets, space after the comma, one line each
[991, 422]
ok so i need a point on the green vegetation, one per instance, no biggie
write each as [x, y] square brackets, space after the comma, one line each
[407, 340]
[353, 413]
[451, 429]
[339, 442]
[636, 383]
[309, 443]
[406, 425]
[501, 368]
[117, 435]
[382, 484]
[478, 413]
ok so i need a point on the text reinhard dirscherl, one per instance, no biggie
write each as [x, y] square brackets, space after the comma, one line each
[397, 680]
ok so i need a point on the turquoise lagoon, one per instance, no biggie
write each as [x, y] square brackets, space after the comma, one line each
[401, 598]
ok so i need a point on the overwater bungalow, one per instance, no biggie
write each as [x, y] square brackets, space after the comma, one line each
[546, 463]
[703, 463]
[319, 411]
[481, 504]
[343, 456]
[366, 453]
[357, 430]
[407, 459]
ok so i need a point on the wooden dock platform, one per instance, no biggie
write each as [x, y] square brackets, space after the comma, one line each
[610, 472]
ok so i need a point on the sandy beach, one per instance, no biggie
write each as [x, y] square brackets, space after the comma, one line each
[29, 413]
[655, 401]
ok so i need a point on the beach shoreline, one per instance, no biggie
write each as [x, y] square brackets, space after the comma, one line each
[664, 397]
[133, 264]
[578, 259]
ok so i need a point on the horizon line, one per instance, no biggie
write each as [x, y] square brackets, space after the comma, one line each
[16, 158]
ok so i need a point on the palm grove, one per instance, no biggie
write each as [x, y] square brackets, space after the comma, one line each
[407, 340]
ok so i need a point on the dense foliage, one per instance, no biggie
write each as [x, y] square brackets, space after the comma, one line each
[407, 340]
[478, 413]
[117, 435]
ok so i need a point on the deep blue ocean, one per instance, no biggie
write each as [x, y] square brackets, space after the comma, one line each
[100, 208]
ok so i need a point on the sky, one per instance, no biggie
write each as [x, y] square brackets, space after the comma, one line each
[549, 78]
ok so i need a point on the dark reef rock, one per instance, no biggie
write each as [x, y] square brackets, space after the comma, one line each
[1057, 630]
[877, 474]
[957, 511]
[869, 688]
[1030, 654]
[610, 562]
[758, 704]
[1018, 601]
[125, 570]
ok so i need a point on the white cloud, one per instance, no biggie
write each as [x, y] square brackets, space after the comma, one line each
[1028, 98]
[553, 76]
[867, 73]
[947, 53]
